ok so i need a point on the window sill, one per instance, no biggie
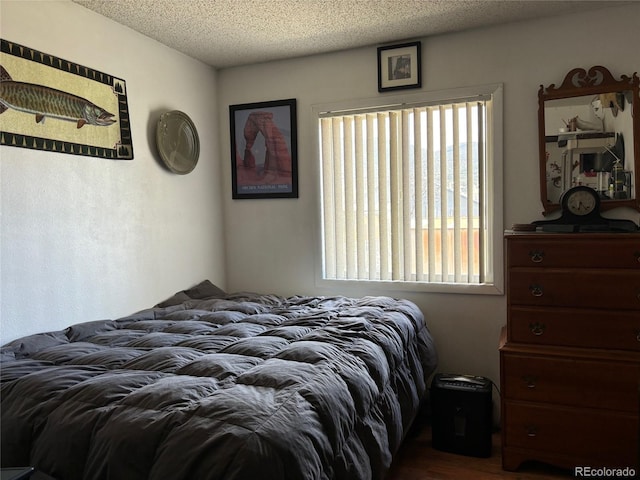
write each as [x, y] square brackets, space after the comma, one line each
[384, 287]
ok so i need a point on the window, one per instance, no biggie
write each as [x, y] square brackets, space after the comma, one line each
[411, 192]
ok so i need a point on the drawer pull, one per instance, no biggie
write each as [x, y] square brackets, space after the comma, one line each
[637, 255]
[530, 380]
[536, 290]
[531, 431]
[537, 328]
[638, 335]
[537, 256]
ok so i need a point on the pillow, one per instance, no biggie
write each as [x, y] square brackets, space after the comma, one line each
[80, 331]
[204, 289]
[27, 346]
[6, 354]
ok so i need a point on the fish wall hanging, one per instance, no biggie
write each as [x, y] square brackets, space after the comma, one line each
[47, 103]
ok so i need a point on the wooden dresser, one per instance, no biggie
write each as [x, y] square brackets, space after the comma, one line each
[570, 354]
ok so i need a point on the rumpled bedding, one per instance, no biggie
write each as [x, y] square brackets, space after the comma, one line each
[215, 386]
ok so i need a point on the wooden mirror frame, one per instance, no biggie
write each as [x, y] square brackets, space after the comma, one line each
[578, 83]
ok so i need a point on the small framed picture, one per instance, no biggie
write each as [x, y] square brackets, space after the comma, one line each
[399, 67]
[264, 149]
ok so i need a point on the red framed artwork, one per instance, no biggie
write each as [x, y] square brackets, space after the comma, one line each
[264, 149]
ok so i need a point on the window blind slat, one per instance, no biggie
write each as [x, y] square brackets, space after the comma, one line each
[418, 192]
[348, 163]
[471, 254]
[361, 192]
[407, 192]
[372, 196]
[444, 196]
[328, 196]
[383, 198]
[482, 207]
[395, 144]
[431, 194]
[339, 188]
[456, 187]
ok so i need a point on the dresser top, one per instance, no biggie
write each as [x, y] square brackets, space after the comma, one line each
[573, 236]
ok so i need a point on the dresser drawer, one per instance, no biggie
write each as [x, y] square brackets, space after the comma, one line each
[572, 381]
[585, 288]
[586, 437]
[575, 251]
[574, 327]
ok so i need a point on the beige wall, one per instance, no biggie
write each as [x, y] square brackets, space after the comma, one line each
[272, 244]
[85, 238]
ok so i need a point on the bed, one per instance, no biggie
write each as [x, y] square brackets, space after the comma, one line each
[208, 385]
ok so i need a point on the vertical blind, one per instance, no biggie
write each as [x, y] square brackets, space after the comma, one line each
[403, 194]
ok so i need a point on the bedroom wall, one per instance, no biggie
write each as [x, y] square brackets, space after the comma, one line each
[85, 238]
[271, 244]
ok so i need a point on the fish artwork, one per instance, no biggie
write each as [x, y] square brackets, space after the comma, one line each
[45, 102]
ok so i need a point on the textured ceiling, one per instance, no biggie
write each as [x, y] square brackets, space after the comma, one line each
[225, 33]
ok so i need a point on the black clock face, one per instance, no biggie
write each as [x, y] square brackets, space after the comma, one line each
[581, 201]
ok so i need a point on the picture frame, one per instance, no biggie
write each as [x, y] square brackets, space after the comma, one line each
[400, 66]
[264, 149]
[59, 106]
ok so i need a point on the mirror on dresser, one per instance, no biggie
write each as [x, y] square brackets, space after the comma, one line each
[589, 134]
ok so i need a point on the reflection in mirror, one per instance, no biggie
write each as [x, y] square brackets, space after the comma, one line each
[584, 141]
[587, 138]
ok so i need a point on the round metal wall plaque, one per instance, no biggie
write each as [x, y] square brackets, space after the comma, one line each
[177, 141]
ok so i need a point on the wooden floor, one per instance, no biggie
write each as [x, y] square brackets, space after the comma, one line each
[418, 460]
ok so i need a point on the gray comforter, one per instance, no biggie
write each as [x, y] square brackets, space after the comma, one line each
[213, 386]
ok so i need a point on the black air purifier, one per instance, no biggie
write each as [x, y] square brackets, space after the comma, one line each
[461, 413]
